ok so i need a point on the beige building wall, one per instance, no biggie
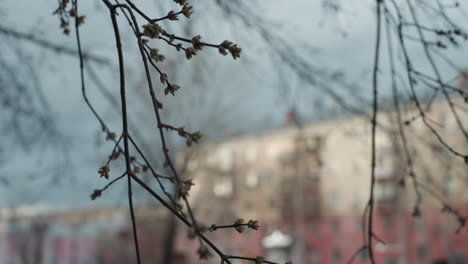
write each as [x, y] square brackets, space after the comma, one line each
[257, 177]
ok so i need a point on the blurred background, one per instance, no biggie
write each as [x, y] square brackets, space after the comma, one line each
[286, 139]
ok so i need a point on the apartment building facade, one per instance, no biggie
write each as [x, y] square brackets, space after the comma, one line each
[312, 183]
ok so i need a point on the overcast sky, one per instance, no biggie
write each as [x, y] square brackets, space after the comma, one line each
[239, 96]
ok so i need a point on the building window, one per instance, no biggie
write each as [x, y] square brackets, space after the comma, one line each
[332, 199]
[192, 164]
[251, 154]
[212, 159]
[248, 205]
[223, 187]
[313, 142]
[449, 122]
[388, 222]
[288, 171]
[336, 255]
[269, 176]
[422, 253]
[331, 142]
[313, 227]
[312, 204]
[251, 179]
[385, 191]
[335, 225]
[363, 255]
[273, 204]
[384, 166]
[314, 256]
[457, 258]
[360, 224]
[314, 171]
[358, 200]
[226, 159]
[287, 157]
[208, 211]
[419, 223]
[450, 186]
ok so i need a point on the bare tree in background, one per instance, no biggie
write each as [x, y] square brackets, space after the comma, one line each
[28, 121]
[150, 58]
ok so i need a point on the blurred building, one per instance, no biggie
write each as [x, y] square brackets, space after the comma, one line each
[312, 182]
[40, 235]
